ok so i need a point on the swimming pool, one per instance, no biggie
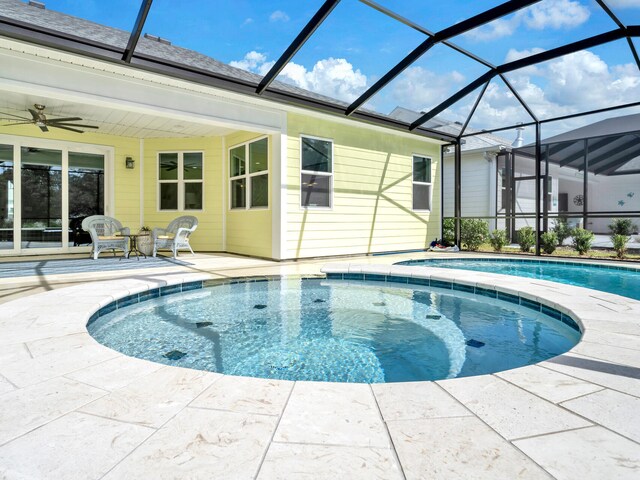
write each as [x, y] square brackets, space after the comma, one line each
[333, 330]
[613, 279]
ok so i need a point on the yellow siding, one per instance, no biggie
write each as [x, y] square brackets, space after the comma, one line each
[208, 236]
[127, 182]
[372, 193]
[248, 231]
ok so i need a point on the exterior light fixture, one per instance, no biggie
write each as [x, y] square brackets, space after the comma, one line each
[129, 162]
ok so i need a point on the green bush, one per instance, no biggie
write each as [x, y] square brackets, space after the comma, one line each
[582, 240]
[473, 233]
[561, 229]
[622, 226]
[526, 238]
[620, 244]
[449, 232]
[548, 242]
[498, 239]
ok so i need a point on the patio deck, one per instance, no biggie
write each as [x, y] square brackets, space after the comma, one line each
[76, 409]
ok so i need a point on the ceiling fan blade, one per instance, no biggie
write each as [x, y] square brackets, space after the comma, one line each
[43, 128]
[67, 128]
[18, 123]
[65, 119]
[55, 124]
[34, 114]
[12, 115]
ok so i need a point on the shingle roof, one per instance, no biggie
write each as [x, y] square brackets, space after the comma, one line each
[479, 141]
[86, 29]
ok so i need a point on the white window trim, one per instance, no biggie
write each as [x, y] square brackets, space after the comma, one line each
[248, 176]
[322, 174]
[180, 181]
[413, 182]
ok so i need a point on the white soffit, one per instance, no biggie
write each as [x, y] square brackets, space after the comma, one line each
[122, 105]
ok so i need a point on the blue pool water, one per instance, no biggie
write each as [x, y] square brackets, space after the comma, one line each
[621, 281]
[333, 330]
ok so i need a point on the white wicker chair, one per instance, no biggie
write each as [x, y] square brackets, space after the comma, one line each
[175, 236]
[103, 232]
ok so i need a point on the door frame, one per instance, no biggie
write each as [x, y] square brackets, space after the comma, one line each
[65, 147]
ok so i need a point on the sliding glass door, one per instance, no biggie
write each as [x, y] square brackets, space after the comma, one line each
[86, 193]
[45, 193]
[41, 199]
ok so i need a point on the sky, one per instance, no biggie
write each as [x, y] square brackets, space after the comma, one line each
[356, 45]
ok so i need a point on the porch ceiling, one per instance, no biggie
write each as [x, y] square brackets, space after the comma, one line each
[111, 121]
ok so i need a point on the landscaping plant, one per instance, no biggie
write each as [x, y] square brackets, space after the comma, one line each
[561, 229]
[473, 233]
[620, 244]
[548, 242]
[449, 232]
[622, 226]
[498, 239]
[582, 240]
[526, 238]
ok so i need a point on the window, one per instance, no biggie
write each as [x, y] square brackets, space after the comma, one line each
[249, 175]
[316, 173]
[421, 183]
[180, 177]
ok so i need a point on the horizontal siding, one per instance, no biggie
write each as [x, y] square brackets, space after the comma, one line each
[372, 193]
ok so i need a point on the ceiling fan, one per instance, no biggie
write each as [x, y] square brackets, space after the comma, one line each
[42, 121]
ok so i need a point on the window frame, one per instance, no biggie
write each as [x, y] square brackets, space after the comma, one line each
[314, 172]
[248, 177]
[414, 182]
[180, 181]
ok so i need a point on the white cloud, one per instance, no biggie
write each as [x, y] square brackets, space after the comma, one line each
[253, 61]
[555, 14]
[278, 16]
[333, 77]
[421, 89]
[247, 21]
[574, 83]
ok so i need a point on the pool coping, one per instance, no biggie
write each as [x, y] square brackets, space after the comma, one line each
[56, 363]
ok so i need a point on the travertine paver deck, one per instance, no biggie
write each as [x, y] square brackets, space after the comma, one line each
[74, 409]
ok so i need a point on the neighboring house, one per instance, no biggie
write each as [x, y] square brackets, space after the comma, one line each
[498, 175]
[264, 178]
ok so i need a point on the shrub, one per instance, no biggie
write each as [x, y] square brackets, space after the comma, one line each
[561, 229]
[498, 239]
[473, 233]
[622, 226]
[526, 238]
[582, 240]
[548, 242]
[620, 244]
[449, 232]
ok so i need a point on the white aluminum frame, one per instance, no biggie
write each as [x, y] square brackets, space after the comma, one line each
[180, 181]
[313, 172]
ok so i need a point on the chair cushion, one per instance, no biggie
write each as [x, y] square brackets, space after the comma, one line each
[169, 236]
[109, 237]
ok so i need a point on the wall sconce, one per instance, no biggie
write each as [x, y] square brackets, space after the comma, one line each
[129, 162]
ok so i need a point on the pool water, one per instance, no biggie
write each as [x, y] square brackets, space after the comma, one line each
[333, 330]
[621, 281]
